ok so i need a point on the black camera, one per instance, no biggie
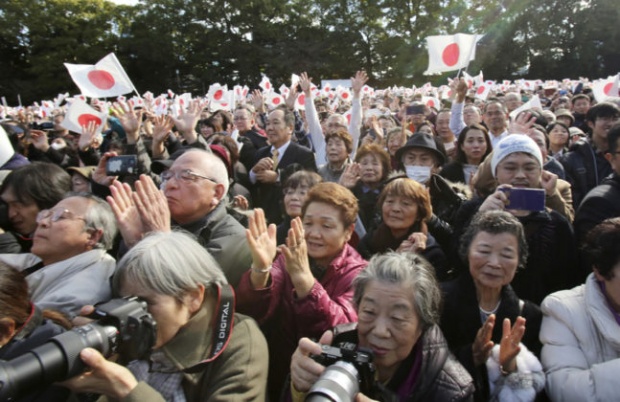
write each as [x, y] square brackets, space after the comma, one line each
[349, 371]
[124, 327]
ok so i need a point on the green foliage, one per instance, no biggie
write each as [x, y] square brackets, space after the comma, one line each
[186, 45]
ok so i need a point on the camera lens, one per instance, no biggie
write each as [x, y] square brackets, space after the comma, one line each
[338, 383]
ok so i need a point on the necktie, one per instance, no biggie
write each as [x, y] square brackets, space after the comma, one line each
[275, 156]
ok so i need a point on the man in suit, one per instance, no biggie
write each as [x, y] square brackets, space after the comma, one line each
[274, 159]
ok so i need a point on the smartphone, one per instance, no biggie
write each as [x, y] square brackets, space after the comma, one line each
[525, 199]
[415, 109]
[122, 165]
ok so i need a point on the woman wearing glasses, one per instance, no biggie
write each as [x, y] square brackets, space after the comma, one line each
[307, 289]
[68, 266]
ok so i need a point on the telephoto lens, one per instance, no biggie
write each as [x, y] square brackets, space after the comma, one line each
[338, 383]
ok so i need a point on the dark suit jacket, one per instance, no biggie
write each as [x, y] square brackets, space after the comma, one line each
[269, 196]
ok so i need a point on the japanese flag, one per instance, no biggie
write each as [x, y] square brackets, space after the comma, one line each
[482, 92]
[344, 94]
[274, 99]
[266, 84]
[347, 115]
[603, 89]
[80, 114]
[105, 79]
[284, 90]
[161, 105]
[366, 90]
[450, 52]
[217, 93]
[431, 102]
[294, 80]
[300, 104]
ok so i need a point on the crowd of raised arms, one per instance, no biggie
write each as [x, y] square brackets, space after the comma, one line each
[468, 247]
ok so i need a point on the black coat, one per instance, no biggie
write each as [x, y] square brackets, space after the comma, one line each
[460, 322]
[269, 196]
[600, 203]
[552, 263]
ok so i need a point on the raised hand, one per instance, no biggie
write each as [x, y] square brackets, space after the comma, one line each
[89, 136]
[350, 176]
[161, 128]
[99, 175]
[40, 140]
[496, 201]
[127, 215]
[152, 206]
[258, 101]
[291, 98]
[549, 182]
[295, 253]
[305, 83]
[186, 123]
[262, 240]
[509, 346]
[522, 124]
[482, 346]
[358, 82]
[131, 120]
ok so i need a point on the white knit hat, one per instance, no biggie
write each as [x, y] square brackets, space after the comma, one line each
[514, 143]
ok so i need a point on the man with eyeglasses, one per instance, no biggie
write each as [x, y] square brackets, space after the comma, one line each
[193, 199]
[69, 266]
[243, 118]
[586, 164]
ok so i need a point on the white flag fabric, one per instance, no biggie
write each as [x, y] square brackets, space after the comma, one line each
[105, 79]
[602, 89]
[482, 92]
[274, 100]
[80, 114]
[450, 52]
[533, 103]
[6, 149]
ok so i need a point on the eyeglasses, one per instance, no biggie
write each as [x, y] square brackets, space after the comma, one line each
[56, 215]
[185, 175]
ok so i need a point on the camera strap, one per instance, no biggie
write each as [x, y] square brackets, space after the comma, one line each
[222, 326]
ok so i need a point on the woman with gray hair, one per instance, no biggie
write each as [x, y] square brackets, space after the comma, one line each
[185, 291]
[398, 304]
[483, 318]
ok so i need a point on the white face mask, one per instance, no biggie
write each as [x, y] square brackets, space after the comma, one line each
[58, 145]
[421, 174]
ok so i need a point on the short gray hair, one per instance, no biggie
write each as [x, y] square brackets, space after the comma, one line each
[99, 216]
[168, 263]
[412, 272]
[215, 166]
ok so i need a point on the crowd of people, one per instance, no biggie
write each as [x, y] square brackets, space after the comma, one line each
[472, 250]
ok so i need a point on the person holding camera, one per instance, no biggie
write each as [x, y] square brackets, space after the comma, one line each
[203, 350]
[398, 300]
[516, 164]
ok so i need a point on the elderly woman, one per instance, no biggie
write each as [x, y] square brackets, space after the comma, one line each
[68, 266]
[580, 328]
[405, 208]
[338, 147]
[185, 291]
[472, 146]
[398, 302]
[394, 140]
[365, 178]
[484, 320]
[307, 289]
[295, 190]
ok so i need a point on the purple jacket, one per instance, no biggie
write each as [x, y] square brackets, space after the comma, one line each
[286, 319]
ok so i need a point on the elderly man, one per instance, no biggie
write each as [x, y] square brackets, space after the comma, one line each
[273, 160]
[68, 266]
[462, 115]
[495, 117]
[252, 141]
[193, 199]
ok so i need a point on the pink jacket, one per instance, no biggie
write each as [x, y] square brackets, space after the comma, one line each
[286, 319]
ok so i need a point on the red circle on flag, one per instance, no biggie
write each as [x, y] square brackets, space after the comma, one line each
[480, 89]
[101, 79]
[301, 99]
[218, 94]
[450, 55]
[607, 88]
[276, 100]
[345, 95]
[86, 118]
[267, 85]
[430, 103]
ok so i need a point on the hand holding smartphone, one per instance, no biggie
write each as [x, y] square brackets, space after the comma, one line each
[525, 199]
[122, 165]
